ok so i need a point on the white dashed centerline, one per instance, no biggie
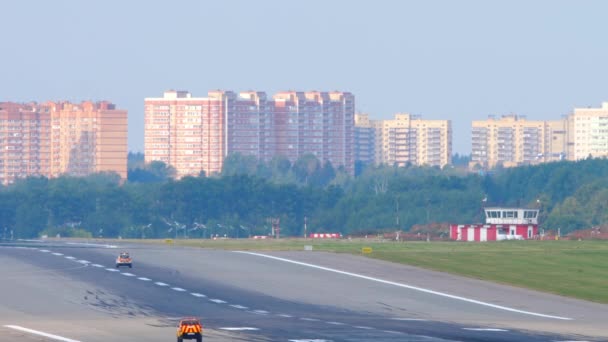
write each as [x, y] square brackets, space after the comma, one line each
[309, 319]
[144, 278]
[285, 315]
[98, 265]
[161, 284]
[41, 333]
[178, 289]
[199, 295]
[415, 288]
[44, 250]
[239, 307]
[260, 312]
[58, 254]
[362, 327]
[484, 329]
[70, 257]
[112, 270]
[335, 323]
[218, 301]
[126, 274]
[239, 328]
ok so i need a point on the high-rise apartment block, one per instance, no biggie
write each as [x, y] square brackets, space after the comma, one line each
[196, 134]
[513, 140]
[588, 133]
[365, 140]
[410, 140]
[56, 138]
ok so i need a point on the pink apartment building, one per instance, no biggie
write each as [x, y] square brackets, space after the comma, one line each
[195, 134]
[56, 138]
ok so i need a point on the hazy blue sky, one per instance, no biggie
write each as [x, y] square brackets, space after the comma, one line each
[458, 60]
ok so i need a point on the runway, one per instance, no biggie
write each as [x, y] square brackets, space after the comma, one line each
[73, 291]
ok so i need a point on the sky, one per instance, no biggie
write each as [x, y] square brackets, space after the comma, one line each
[456, 60]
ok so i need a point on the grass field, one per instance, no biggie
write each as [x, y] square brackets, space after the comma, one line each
[571, 268]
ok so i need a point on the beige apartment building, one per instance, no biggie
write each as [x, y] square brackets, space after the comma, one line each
[408, 139]
[588, 132]
[56, 138]
[196, 134]
[513, 140]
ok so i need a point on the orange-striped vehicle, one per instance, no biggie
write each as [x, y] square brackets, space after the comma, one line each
[189, 328]
[124, 259]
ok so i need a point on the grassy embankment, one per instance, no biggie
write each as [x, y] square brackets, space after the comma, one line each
[571, 268]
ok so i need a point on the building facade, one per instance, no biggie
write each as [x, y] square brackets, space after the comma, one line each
[56, 138]
[365, 140]
[512, 140]
[196, 134]
[186, 132]
[410, 140]
[588, 133]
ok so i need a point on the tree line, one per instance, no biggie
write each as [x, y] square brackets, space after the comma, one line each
[244, 199]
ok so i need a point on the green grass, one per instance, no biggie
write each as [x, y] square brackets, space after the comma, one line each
[576, 269]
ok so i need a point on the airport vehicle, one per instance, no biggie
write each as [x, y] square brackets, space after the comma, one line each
[189, 328]
[124, 259]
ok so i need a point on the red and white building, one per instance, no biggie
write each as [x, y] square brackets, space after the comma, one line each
[325, 235]
[501, 224]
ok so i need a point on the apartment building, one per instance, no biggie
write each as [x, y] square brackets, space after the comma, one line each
[56, 138]
[196, 134]
[365, 140]
[187, 132]
[588, 132]
[513, 140]
[408, 139]
[318, 123]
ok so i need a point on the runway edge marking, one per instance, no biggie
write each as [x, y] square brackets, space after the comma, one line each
[442, 294]
[40, 333]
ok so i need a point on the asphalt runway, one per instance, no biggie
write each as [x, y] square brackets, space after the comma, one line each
[73, 291]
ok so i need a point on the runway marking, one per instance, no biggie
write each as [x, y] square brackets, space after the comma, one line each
[126, 274]
[98, 265]
[239, 328]
[84, 262]
[285, 315]
[199, 295]
[484, 329]
[178, 289]
[218, 301]
[44, 250]
[261, 312]
[161, 284]
[40, 333]
[409, 319]
[144, 278]
[335, 323]
[362, 327]
[58, 254]
[442, 294]
[91, 244]
[70, 257]
[392, 332]
[112, 270]
[309, 319]
[239, 306]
